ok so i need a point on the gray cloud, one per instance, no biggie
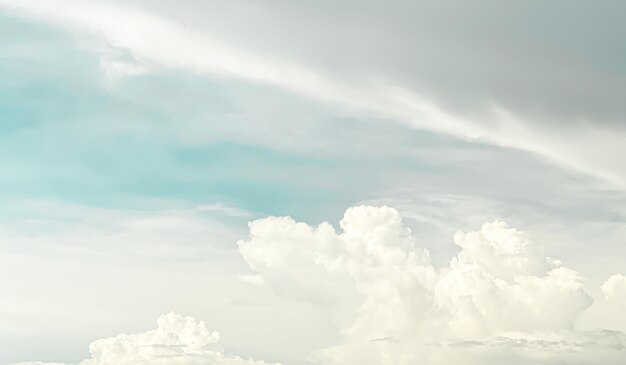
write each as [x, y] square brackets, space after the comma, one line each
[552, 60]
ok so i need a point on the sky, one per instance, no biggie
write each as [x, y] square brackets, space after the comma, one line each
[312, 183]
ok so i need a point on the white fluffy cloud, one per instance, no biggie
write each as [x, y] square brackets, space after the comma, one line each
[178, 340]
[614, 289]
[500, 296]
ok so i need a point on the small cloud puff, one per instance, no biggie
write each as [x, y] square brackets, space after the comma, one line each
[614, 289]
[178, 340]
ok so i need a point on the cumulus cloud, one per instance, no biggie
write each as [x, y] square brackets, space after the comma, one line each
[501, 297]
[614, 289]
[177, 340]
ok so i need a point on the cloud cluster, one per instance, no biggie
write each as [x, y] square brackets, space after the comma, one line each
[501, 296]
[178, 340]
[500, 299]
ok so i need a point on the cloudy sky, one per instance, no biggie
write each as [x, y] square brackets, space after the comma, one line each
[312, 182]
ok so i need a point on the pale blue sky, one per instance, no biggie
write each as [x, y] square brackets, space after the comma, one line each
[126, 174]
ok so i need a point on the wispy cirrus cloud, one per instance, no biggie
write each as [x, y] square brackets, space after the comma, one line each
[490, 77]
